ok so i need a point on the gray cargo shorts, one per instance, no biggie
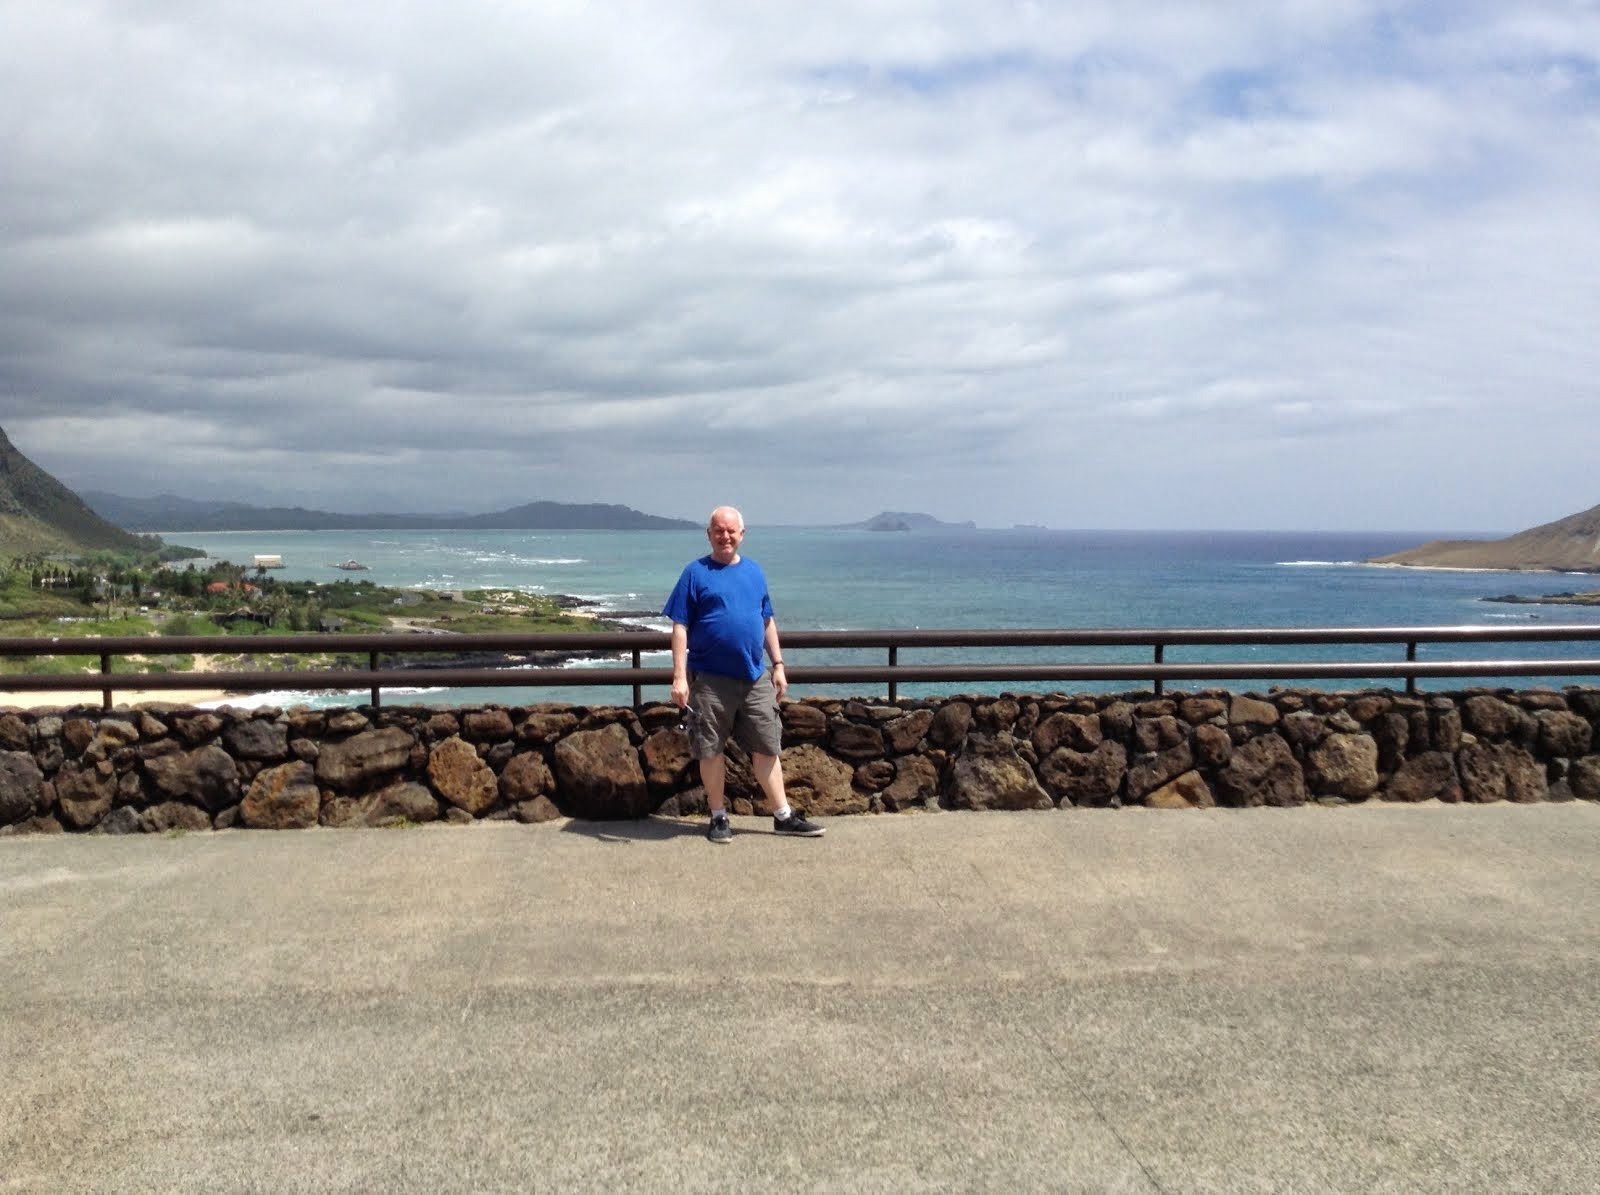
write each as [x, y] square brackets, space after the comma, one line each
[725, 706]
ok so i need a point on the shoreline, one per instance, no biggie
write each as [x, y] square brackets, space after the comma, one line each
[134, 698]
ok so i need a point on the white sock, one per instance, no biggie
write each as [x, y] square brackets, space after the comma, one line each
[781, 815]
[721, 814]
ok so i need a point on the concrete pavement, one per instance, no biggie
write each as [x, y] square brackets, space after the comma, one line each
[1354, 999]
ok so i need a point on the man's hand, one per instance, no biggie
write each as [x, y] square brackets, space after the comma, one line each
[780, 680]
[680, 665]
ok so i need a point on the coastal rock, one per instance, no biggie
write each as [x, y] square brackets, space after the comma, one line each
[1116, 721]
[1211, 745]
[1365, 709]
[1426, 777]
[1344, 765]
[168, 816]
[257, 739]
[526, 776]
[1490, 718]
[598, 776]
[84, 793]
[33, 825]
[546, 724]
[535, 811]
[487, 726]
[1302, 729]
[990, 774]
[1151, 770]
[1086, 777]
[1444, 725]
[1076, 732]
[997, 717]
[1195, 710]
[460, 777]
[1584, 778]
[357, 761]
[348, 722]
[1391, 732]
[1500, 772]
[282, 798]
[1188, 791]
[1262, 771]
[803, 723]
[666, 758]
[1252, 711]
[120, 821]
[77, 734]
[206, 776]
[873, 776]
[402, 803]
[599, 719]
[1563, 734]
[950, 724]
[1157, 734]
[916, 782]
[1540, 699]
[849, 740]
[111, 736]
[20, 784]
[904, 733]
[13, 733]
[1585, 702]
[820, 784]
[197, 728]
[441, 726]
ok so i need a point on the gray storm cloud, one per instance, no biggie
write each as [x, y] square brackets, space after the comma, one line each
[1017, 262]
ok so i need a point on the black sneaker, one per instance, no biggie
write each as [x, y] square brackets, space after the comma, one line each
[721, 830]
[797, 826]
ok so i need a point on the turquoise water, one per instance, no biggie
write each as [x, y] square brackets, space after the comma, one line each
[835, 579]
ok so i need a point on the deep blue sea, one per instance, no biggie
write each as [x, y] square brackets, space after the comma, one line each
[824, 578]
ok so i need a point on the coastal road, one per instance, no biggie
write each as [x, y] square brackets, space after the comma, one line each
[1369, 998]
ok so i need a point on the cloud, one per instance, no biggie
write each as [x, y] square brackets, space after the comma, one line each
[1012, 262]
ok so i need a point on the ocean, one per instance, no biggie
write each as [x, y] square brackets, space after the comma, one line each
[836, 579]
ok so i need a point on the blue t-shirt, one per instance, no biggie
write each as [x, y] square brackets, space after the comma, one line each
[725, 607]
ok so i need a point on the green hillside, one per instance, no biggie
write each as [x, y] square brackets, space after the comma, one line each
[39, 514]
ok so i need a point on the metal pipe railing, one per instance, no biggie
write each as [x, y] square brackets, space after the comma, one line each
[377, 646]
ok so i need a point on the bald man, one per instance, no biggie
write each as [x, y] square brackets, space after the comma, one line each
[721, 620]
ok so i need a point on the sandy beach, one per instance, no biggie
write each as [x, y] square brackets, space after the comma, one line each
[91, 697]
[130, 697]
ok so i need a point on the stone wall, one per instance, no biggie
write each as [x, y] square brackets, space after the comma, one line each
[162, 768]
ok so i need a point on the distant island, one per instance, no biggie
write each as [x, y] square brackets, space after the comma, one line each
[1569, 545]
[168, 512]
[904, 520]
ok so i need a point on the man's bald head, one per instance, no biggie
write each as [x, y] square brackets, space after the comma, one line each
[726, 513]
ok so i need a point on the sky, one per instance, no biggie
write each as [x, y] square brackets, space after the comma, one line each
[1275, 264]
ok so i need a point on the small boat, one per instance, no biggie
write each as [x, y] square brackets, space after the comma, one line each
[351, 566]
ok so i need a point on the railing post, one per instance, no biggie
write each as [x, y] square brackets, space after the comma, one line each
[105, 670]
[894, 661]
[638, 689]
[1411, 658]
[372, 664]
[1161, 651]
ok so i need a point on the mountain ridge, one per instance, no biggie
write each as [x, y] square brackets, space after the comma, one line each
[169, 512]
[40, 514]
